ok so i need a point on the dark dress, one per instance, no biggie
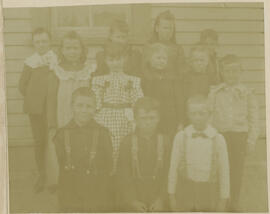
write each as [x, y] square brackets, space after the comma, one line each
[84, 156]
[167, 88]
[195, 83]
[145, 181]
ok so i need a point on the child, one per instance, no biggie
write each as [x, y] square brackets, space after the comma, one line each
[235, 114]
[143, 162]
[119, 35]
[84, 154]
[33, 85]
[198, 77]
[199, 163]
[164, 85]
[164, 32]
[71, 73]
[116, 93]
[209, 39]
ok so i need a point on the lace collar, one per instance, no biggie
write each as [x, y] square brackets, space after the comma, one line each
[83, 74]
[36, 60]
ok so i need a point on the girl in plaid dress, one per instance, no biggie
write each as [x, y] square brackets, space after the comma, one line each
[116, 93]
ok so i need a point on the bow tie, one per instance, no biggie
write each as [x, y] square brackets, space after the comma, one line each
[199, 134]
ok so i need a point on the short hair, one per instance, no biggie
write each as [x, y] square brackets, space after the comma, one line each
[40, 30]
[73, 35]
[166, 15]
[197, 99]
[83, 91]
[114, 50]
[156, 48]
[119, 25]
[200, 49]
[228, 59]
[146, 103]
[208, 33]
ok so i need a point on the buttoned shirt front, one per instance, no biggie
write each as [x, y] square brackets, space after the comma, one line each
[197, 153]
[235, 108]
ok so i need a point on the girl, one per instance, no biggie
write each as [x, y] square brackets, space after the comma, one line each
[164, 32]
[163, 84]
[71, 73]
[116, 92]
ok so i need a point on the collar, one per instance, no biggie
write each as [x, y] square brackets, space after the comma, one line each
[209, 131]
[153, 136]
[72, 124]
[37, 60]
[223, 86]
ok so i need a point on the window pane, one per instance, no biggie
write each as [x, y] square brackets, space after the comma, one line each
[103, 15]
[73, 16]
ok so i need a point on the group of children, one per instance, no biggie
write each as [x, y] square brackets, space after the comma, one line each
[139, 132]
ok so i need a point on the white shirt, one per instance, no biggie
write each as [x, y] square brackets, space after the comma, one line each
[198, 155]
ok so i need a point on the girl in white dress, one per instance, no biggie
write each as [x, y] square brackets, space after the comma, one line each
[71, 73]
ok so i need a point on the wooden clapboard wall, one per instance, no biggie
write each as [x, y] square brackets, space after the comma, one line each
[240, 28]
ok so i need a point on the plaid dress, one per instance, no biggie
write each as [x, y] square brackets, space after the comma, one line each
[116, 93]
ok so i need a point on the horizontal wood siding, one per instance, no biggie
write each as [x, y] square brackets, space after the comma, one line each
[240, 28]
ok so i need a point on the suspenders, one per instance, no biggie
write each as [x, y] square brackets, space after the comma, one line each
[135, 161]
[213, 170]
[92, 152]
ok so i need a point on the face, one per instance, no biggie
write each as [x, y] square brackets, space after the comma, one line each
[231, 73]
[115, 64]
[119, 37]
[72, 50]
[198, 115]
[211, 44]
[165, 30]
[159, 60]
[41, 43]
[147, 120]
[199, 61]
[83, 108]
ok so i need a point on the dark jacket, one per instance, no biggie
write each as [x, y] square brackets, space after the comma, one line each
[33, 85]
[83, 182]
[151, 183]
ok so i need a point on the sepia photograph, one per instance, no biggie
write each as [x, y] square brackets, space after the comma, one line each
[146, 107]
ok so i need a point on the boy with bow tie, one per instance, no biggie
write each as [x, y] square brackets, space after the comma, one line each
[235, 115]
[199, 164]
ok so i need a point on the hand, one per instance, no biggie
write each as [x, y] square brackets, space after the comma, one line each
[157, 206]
[221, 206]
[139, 206]
[52, 132]
[172, 203]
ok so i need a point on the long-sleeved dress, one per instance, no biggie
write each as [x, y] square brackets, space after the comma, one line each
[116, 93]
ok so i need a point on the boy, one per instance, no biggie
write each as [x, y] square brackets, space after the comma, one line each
[209, 39]
[163, 84]
[33, 85]
[199, 164]
[83, 150]
[235, 114]
[143, 162]
[198, 78]
[119, 35]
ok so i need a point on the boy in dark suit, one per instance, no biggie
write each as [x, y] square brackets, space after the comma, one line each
[84, 154]
[143, 162]
[33, 85]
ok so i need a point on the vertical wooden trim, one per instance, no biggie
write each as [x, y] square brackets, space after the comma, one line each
[140, 29]
[41, 17]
